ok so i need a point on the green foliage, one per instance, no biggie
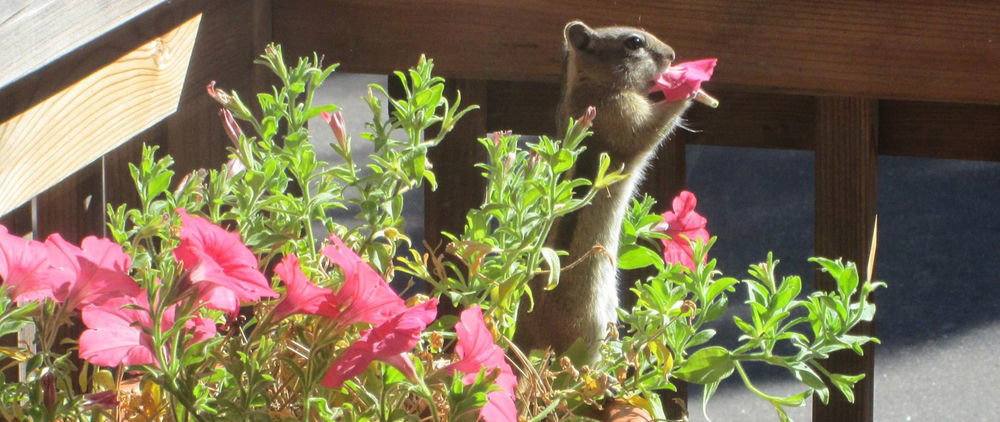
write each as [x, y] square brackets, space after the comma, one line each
[276, 194]
[674, 304]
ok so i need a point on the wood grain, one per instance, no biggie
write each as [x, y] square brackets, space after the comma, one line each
[846, 198]
[907, 49]
[36, 32]
[940, 130]
[91, 117]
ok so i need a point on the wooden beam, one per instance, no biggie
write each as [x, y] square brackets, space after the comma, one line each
[939, 130]
[37, 32]
[925, 49]
[750, 117]
[846, 173]
[91, 117]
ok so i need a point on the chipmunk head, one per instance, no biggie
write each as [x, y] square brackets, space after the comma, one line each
[619, 58]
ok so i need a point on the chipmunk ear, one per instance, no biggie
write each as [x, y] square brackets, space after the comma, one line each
[578, 35]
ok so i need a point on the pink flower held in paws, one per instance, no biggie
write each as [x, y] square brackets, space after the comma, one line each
[364, 296]
[388, 342]
[94, 272]
[476, 350]
[682, 224]
[682, 80]
[301, 295]
[24, 269]
[220, 260]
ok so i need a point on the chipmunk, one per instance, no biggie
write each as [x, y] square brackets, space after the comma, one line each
[612, 69]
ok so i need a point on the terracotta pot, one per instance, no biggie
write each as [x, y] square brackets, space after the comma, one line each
[622, 411]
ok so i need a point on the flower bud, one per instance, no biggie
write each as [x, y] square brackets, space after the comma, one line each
[508, 161]
[48, 384]
[106, 400]
[588, 117]
[336, 122]
[233, 130]
[219, 95]
[270, 50]
[533, 160]
[234, 167]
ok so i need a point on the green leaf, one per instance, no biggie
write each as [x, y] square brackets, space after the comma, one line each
[709, 391]
[315, 111]
[708, 365]
[552, 260]
[159, 183]
[635, 256]
[845, 383]
[701, 337]
[720, 285]
[804, 373]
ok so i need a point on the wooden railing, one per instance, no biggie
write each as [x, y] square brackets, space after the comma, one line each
[82, 85]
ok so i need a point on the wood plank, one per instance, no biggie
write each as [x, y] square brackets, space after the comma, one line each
[225, 51]
[925, 49]
[750, 117]
[524, 107]
[37, 32]
[92, 116]
[923, 129]
[846, 173]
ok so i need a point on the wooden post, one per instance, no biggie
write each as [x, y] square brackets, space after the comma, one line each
[846, 171]
[666, 178]
[460, 184]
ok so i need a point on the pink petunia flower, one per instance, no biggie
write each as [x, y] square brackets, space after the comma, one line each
[476, 350]
[682, 80]
[94, 272]
[364, 296]
[388, 342]
[25, 270]
[301, 295]
[117, 331]
[222, 262]
[682, 224]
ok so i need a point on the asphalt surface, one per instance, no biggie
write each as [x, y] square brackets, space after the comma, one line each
[939, 237]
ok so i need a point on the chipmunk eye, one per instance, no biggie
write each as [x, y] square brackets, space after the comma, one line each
[634, 42]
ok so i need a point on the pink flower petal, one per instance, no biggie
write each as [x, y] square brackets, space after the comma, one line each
[682, 80]
[364, 296]
[301, 295]
[499, 407]
[477, 349]
[117, 331]
[682, 224]
[201, 329]
[217, 257]
[114, 335]
[25, 270]
[385, 342]
[96, 272]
